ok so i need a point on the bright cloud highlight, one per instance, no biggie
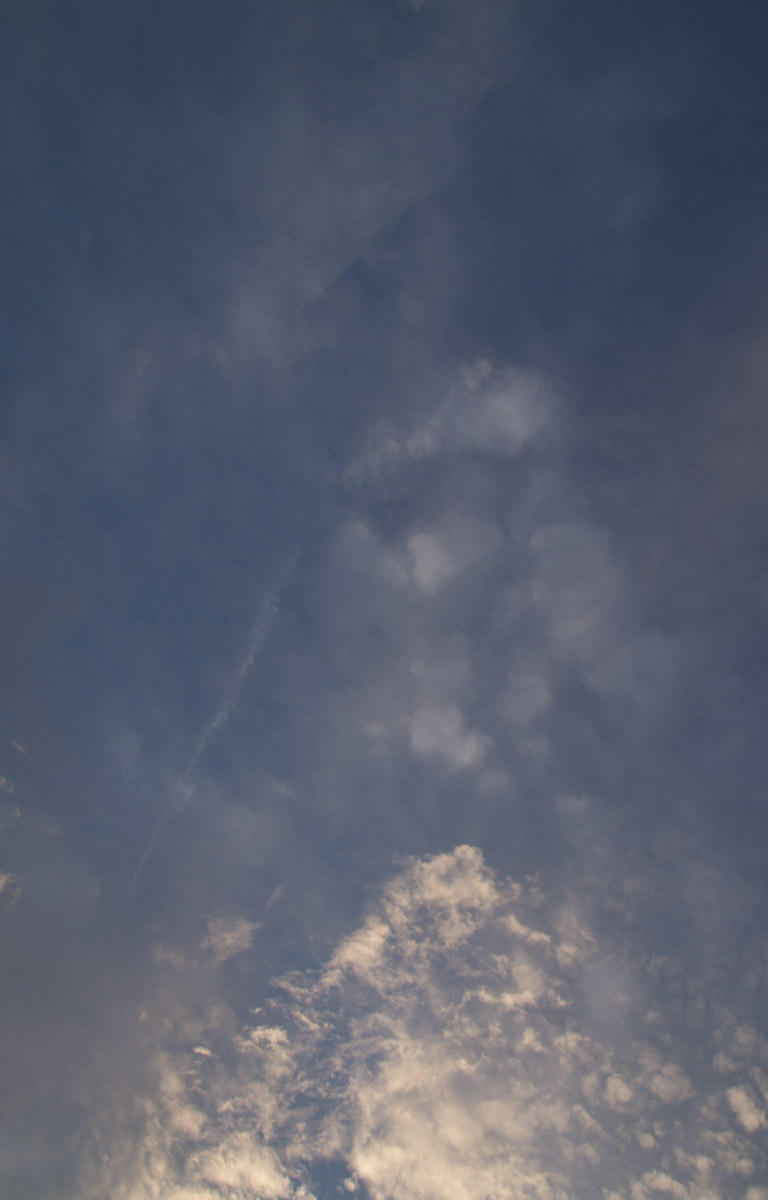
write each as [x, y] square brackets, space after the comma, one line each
[446, 1052]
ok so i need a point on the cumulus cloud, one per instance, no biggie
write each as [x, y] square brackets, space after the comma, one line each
[444, 1052]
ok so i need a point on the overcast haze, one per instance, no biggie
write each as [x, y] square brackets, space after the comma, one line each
[384, 512]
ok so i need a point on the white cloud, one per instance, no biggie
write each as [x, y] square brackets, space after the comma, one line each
[227, 936]
[444, 1053]
[482, 601]
[534, 936]
[240, 1163]
[506, 411]
[494, 411]
[617, 1091]
[442, 732]
[461, 546]
[669, 1083]
[751, 1116]
[433, 562]
[659, 1181]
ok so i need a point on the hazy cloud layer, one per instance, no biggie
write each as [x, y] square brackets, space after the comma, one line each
[383, 621]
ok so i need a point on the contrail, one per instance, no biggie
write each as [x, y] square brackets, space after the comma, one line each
[181, 787]
[262, 623]
[164, 815]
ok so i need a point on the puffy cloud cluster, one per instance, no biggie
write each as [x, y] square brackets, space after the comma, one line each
[446, 1052]
[486, 601]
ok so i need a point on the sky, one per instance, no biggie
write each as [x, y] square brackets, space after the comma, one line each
[385, 600]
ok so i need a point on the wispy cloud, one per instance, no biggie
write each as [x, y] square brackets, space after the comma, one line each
[497, 411]
[182, 787]
[262, 623]
[227, 936]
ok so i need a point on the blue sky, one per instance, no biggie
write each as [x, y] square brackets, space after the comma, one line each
[382, 755]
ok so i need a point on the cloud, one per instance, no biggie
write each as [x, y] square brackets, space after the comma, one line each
[227, 936]
[433, 563]
[462, 545]
[182, 788]
[575, 588]
[263, 620]
[9, 888]
[750, 1114]
[445, 1052]
[335, 187]
[486, 628]
[495, 411]
[481, 549]
[244, 1166]
[441, 732]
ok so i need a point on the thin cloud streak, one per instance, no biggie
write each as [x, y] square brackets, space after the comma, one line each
[262, 623]
[181, 788]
